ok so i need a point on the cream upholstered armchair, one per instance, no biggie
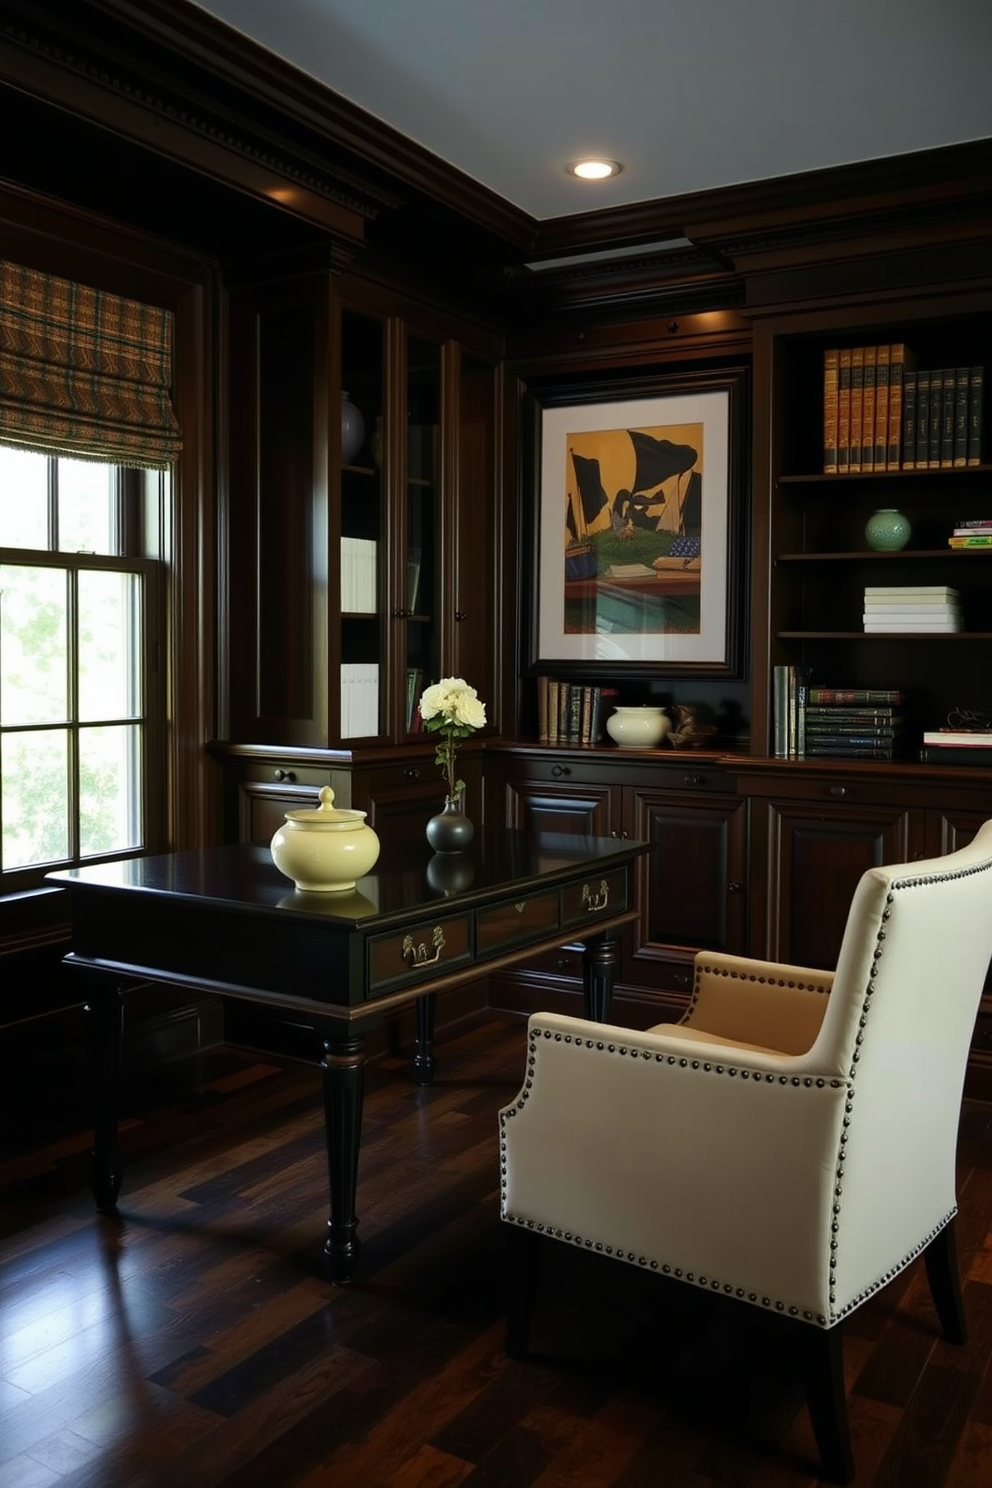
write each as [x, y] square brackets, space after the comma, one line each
[790, 1144]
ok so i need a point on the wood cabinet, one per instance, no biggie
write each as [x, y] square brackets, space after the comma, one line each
[399, 788]
[691, 887]
[749, 855]
[357, 573]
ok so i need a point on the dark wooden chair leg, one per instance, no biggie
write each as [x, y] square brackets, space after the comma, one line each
[941, 1261]
[823, 1375]
[523, 1267]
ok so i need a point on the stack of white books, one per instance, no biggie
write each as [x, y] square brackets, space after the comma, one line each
[919, 609]
[358, 576]
[359, 699]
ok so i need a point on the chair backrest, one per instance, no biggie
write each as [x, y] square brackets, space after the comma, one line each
[898, 1027]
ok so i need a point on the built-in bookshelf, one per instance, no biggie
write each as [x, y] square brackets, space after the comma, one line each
[820, 563]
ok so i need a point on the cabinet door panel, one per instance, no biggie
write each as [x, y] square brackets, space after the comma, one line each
[585, 810]
[949, 830]
[815, 859]
[691, 885]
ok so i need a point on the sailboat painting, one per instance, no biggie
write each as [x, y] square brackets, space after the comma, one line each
[634, 529]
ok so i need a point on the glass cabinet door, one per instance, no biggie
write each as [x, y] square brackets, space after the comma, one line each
[363, 686]
[421, 531]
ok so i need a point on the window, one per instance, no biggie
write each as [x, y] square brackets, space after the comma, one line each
[81, 701]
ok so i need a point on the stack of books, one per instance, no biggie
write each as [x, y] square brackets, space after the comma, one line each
[977, 534]
[949, 746]
[925, 609]
[852, 723]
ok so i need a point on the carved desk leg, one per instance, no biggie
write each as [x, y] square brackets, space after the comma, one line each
[602, 952]
[423, 1059]
[344, 1085]
[104, 1010]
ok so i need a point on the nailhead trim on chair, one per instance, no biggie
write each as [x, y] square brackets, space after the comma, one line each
[807, 1082]
[906, 883]
[740, 976]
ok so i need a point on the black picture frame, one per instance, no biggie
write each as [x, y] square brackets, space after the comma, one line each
[661, 476]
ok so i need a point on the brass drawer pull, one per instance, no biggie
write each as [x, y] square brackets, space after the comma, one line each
[595, 902]
[417, 955]
[288, 775]
[837, 790]
[559, 770]
[412, 772]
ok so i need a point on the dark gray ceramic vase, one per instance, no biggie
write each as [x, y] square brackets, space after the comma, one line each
[450, 831]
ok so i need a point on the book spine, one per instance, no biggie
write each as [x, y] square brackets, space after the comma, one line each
[596, 721]
[922, 420]
[554, 695]
[948, 405]
[851, 751]
[791, 712]
[858, 695]
[857, 408]
[574, 714]
[863, 738]
[836, 716]
[976, 386]
[780, 711]
[881, 447]
[844, 410]
[902, 364]
[543, 733]
[585, 735]
[962, 381]
[830, 369]
[907, 400]
[802, 691]
[868, 409]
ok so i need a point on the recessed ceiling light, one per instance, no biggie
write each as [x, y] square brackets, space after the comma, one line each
[594, 170]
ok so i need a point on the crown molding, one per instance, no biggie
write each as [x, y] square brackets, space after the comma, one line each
[201, 39]
[828, 204]
[70, 56]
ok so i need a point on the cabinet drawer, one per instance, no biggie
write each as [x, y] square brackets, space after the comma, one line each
[285, 772]
[432, 946]
[516, 922]
[597, 897]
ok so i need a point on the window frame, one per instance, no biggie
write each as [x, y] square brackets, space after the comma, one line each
[134, 498]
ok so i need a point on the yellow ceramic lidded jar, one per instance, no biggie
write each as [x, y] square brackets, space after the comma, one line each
[325, 850]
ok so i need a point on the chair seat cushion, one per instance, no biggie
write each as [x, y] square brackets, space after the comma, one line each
[691, 1033]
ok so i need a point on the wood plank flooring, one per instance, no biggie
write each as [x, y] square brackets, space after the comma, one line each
[195, 1343]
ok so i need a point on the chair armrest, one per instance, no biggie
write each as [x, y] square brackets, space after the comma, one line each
[672, 1155]
[764, 1004]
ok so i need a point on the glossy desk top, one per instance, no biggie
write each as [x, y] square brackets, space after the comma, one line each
[407, 878]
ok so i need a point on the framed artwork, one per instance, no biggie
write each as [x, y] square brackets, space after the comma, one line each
[640, 551]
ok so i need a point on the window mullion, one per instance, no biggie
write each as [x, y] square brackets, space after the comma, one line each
[72, 729]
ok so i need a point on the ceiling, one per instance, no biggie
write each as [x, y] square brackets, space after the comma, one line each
[690, 95]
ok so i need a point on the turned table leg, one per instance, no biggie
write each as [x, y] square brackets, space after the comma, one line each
[599, 962]
[104, 1013]
[344, 1084]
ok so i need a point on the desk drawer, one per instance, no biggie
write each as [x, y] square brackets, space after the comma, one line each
[516, 922]
[597, 897]
[433, 946]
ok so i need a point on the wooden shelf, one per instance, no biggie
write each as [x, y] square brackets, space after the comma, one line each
[870, 555]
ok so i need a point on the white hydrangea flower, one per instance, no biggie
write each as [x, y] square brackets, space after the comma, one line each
[451, 709]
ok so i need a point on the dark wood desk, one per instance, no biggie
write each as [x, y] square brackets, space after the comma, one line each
[225, 921]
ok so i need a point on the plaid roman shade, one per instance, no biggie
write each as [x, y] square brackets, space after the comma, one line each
[84, 373]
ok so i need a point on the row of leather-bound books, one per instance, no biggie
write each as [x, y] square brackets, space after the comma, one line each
[883, 412]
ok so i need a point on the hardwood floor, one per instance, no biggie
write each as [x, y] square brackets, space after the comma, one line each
[196, 1343]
